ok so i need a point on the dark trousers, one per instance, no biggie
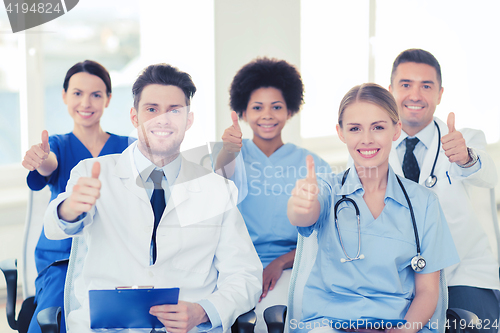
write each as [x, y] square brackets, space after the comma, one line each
[482, 302]
[50, 292]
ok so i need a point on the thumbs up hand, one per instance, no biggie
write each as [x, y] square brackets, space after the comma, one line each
[451, 122]
[232, 135]
[303, 205]
[37, 154]
[85, 194]
[453, 143]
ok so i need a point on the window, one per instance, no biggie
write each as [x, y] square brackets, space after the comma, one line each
[334, 58]
[461, 36]
[112, 38]
[346, 41]
[10, 128]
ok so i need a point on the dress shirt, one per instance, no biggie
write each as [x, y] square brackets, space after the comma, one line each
[145, 166]
[425, 137]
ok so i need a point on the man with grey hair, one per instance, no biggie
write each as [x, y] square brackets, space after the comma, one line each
[450, 162]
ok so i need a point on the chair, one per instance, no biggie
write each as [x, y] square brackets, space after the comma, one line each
[485, 206]
[37, 203]
[305, 255]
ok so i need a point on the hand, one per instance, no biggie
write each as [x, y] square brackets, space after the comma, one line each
[85, 194]
[181, 317]
[454, 145]
[270, 276]
[305, 192]
[37, 154]
[232, 135]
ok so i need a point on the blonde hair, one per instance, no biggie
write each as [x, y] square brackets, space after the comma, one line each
[370, 93]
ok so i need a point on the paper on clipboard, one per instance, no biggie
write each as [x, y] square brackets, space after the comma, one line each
[128, 308]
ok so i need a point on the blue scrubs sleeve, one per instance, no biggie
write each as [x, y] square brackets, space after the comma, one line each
[239, 177]
[437, 245]
[35, 180]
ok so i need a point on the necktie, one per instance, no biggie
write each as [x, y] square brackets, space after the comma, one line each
[158, 205]
[410, 165]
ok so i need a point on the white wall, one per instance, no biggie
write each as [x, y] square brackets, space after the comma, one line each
[245, 30]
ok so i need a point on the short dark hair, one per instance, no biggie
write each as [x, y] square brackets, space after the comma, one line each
[165, 75]
[263, 73]
[420, 57]
[91, 67]
[370, 93]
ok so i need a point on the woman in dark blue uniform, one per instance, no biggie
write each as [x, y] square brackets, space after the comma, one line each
[87, 92]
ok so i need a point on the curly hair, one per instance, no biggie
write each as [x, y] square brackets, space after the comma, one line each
[263, 73]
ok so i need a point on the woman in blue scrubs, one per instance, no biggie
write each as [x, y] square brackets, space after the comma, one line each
[365, 270]
[266, 93]
[86, 92]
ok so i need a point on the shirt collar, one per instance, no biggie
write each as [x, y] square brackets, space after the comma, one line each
[145, 166]
[425, 136]
[393, 190]
[351, 184]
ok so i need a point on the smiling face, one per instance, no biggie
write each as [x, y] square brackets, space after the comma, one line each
[86, 99]
[417, 92]
[368, 132]
[161, 120]
[266, 114]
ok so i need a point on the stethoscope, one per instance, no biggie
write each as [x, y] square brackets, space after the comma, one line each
[417, 262]
[432, 179]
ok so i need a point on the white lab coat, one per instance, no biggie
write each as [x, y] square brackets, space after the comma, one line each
[478, 266]
[203, 244]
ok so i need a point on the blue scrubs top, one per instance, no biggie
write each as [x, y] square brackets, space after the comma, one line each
[69, 151]
[382, 285]
[268, 183]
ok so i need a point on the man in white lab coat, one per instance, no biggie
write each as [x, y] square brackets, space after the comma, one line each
[180, 230]
[461, 163]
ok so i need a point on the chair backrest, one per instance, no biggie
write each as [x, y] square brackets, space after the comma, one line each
[78, 252]
[485, 206]
[35, 211]
[305, 257]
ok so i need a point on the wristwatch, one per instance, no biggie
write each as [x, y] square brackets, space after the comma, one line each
[472, 158]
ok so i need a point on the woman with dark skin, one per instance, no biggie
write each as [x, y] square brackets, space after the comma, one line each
[265, 93]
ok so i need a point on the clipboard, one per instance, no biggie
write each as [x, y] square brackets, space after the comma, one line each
[128, 307]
